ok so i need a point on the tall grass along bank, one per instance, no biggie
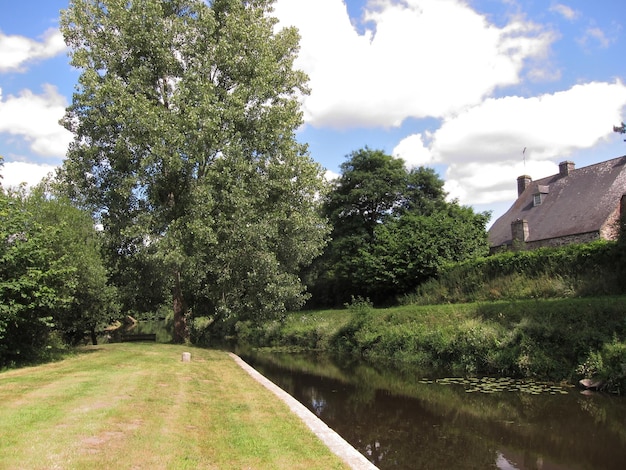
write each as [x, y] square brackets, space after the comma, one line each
[557, 340]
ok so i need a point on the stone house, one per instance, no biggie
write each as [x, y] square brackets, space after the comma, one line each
[573, 206]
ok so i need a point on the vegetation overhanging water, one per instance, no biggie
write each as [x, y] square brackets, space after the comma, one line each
[558, 340]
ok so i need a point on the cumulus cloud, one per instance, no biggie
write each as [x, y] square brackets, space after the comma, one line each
[17, 51]
[483, 147]
[16, 173]
[413, 151]
[35, 118]
[415, 58]
[487, 183]
[441, 59]
[549, 125]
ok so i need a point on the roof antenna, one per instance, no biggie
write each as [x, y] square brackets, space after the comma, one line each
[524, 157]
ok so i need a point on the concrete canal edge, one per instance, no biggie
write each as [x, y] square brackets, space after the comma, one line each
[337, 444]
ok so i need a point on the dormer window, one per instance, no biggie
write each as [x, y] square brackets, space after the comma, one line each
[539, 196]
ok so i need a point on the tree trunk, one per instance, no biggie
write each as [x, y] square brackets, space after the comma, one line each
[94, 337]
[180, 323]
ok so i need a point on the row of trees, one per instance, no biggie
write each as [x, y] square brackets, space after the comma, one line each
[186, 159]
[53, 284]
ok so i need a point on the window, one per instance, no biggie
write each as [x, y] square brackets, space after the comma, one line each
[539, 196]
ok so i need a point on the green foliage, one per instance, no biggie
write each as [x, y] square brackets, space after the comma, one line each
[52, 281]
[414, 248]
[32, 281]
[608, 366]
[575, 270]
[184, 122]
[200, 331]
[94, 302]
[368, 192]
[392, 230]
[359, 305]
[299, 330]
[541, 339]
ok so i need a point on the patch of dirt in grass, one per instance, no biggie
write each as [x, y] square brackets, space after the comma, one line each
[93, 406]
[109, 439]
[134, 424]
[94, 443]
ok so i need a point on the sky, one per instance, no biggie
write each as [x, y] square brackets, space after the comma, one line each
[482, 91]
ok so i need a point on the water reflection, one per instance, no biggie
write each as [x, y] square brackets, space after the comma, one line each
[399, 421]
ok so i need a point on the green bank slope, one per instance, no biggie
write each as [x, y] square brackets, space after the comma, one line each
[557, 340]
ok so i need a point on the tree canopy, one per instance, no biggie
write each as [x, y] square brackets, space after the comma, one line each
[392, 230]
[53, 283]
[184, 119]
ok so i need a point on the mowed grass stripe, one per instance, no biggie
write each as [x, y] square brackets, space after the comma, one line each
[138, 406]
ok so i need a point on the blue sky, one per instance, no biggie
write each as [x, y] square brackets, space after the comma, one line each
[459, 86]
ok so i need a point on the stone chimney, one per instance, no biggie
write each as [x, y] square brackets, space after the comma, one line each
[522, 183]
[519, 230]
[566, 167]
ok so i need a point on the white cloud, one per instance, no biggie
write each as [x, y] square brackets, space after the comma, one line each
[16, 173]
[483, 146]
[16, 51]
[485, 183]
[331, 175]
[565, 11]
[595, 35]
[420, 58]
[412, 150]
[550, 126]
[35, 118]
[544, 73]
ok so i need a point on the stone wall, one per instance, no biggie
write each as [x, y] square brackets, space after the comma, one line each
[561, 241]
[611, 228]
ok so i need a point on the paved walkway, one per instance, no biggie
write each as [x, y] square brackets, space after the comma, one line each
[334, 441]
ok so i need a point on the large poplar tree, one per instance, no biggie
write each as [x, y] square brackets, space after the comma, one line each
[184, 119]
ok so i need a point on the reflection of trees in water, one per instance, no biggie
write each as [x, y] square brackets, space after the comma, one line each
[317, 402]
[401, 423]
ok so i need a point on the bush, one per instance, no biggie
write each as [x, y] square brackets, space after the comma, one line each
[541, 339]
[572, 271]
[608, 366]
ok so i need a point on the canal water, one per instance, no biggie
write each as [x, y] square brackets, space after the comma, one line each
[405, 419]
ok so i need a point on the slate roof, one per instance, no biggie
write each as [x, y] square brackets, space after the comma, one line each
[577, 203]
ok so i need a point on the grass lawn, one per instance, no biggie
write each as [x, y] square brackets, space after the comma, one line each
[139, 406]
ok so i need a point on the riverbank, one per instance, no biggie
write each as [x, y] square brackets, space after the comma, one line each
[139, 406]
[556, 339]
[403, 420]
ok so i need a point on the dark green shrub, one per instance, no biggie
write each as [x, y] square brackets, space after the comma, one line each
[607, 366]
[591, 269]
